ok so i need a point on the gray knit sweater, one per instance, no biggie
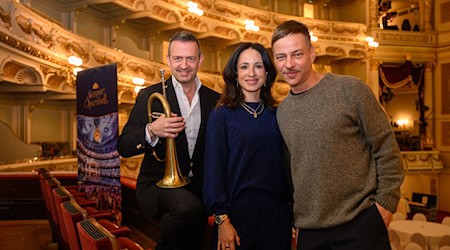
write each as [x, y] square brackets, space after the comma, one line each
[344, 155]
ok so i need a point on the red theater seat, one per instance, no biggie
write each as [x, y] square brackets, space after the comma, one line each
[50, 184]
[60, 195]
[73, 213]
[94, 236]
[48, 199]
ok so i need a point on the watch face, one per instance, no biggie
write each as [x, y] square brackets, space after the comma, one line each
[218, 220]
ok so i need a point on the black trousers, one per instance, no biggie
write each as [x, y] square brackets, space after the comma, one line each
[183, 220]
[367, 231]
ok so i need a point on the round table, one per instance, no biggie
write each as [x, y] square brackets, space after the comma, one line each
[431, 230]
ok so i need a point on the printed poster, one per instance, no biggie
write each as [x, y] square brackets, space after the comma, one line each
[97, 127]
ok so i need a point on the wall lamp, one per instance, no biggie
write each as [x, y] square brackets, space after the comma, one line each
[250, 25]
[313, 37]
[371, 42]
[76, 62]
[193, 8]
[65, 73]
[139, 82]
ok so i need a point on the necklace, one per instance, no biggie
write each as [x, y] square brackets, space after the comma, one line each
[255, 112]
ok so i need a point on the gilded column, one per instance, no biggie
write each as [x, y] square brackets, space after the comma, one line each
[373, 14]
[428, 89]
[300, 7]
[73, 129]
[219, 53]
[428, 9]
[427, 138]
[373, 77]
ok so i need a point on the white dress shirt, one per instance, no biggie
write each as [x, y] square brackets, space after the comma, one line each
[190, 112]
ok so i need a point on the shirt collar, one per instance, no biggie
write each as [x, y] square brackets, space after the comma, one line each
[177, 85]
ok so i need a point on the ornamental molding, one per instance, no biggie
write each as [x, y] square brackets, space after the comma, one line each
[36, 40]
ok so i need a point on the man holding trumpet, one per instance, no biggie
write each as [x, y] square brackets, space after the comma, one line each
[182, 216]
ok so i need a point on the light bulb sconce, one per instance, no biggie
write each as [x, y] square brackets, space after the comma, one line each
[250, 25]
[67, 72]
[193, 8]
[313, 37]
[138, 82]
[371, 45]
[371, 42]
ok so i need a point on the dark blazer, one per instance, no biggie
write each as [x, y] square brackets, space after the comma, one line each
[132, 142]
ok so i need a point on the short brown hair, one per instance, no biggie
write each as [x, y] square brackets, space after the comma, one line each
[184, 36]
[291, 27]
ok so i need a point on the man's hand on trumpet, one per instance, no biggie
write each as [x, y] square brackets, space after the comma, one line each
[167, 127]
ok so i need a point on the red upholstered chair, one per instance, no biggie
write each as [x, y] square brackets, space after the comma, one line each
[50, 184]
[46, 182]
[60, 195]
[94, 236]
[57, 230]
[72, 213]
[44, 175]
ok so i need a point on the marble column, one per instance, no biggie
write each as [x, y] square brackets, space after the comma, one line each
[373, 81]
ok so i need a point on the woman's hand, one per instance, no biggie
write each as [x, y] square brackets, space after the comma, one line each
[228, 237]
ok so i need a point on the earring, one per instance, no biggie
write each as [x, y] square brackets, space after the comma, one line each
[237, 83]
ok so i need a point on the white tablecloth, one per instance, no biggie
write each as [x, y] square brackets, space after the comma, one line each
[431, 230]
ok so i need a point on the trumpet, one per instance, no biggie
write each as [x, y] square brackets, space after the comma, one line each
[172, 175]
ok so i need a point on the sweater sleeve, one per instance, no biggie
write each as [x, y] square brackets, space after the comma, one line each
[384, 149]
[216, 153]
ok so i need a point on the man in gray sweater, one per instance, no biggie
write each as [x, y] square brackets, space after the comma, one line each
[345, 162]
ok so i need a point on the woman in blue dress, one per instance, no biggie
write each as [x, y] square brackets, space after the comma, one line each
[246, 184]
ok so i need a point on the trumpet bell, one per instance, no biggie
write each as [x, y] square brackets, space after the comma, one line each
[172, 175]
[173, 182]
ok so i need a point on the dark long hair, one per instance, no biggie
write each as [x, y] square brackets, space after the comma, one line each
[232, 95]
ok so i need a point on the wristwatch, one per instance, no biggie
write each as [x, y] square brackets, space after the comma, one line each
[219, 219]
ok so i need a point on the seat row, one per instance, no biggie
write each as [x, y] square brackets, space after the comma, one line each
[75, 221]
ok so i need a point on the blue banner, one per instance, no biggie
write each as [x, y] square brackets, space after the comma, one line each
[97, 127]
